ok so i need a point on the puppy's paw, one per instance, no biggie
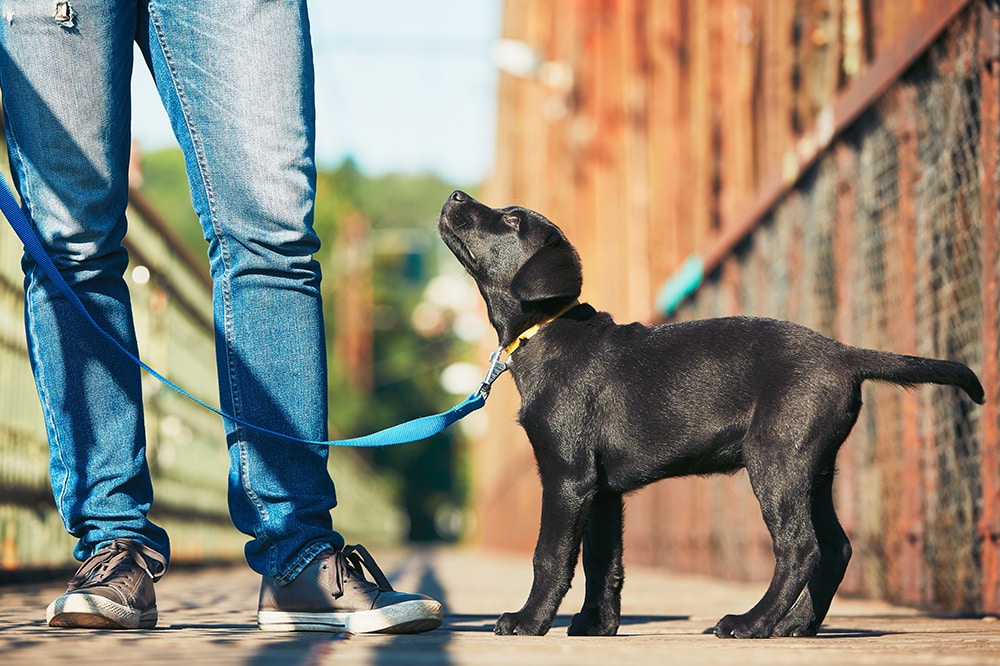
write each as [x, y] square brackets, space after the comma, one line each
[792, 625]
[589, 623]
[506, 625]
[511, 624]
[794, 630]
[741, 626]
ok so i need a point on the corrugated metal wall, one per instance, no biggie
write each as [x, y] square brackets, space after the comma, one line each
[830, 162]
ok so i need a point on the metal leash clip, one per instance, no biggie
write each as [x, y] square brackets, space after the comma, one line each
[497, 368]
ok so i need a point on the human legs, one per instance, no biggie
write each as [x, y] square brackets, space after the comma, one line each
[236, 80]
[66, 95]
[66, 107]
[253, 176]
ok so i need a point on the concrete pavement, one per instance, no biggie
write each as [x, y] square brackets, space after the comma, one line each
[207, 617]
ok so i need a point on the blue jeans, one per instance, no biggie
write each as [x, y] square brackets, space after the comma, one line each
[236, 79]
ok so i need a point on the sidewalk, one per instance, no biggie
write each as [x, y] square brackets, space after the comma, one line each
[207, 617]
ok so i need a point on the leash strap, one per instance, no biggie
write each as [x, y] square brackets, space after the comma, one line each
[403, 433]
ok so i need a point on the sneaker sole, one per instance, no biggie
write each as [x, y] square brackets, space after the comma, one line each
[407, 617]
[96, 612]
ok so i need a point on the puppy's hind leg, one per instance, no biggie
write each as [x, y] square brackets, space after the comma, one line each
[782, 484]
[602, 565]
[806, 616]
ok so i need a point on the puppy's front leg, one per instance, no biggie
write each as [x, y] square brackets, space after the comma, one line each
[565, 505]
[602, 565]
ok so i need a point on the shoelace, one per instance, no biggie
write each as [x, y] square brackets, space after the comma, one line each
[108, 560]
[351, 563]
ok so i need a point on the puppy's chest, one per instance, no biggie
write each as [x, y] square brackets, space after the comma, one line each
[554, 397]
[560, 379]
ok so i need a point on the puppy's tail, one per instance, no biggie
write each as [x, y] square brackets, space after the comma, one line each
[911, 370]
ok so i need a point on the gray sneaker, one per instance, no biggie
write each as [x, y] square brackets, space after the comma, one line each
[113, 589]
[332, 594]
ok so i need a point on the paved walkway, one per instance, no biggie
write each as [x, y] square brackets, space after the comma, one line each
[207, 617]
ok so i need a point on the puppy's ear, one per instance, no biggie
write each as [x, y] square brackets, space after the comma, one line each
[552, 272]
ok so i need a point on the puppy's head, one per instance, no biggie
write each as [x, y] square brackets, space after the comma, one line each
[525, 268]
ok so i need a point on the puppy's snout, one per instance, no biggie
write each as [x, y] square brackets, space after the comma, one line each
[454, 212]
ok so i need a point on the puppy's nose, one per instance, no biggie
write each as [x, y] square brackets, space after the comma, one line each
[459, 196]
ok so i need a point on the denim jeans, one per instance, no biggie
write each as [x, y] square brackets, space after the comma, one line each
[236, 79]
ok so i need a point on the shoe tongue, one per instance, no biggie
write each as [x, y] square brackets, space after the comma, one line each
[357, 575]
[111, 558]
[99, 566]
[355, 560]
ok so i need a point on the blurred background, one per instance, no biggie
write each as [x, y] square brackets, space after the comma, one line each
[831, 162]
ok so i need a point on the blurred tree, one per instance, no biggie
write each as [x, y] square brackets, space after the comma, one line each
[402, 251]
[165, 184]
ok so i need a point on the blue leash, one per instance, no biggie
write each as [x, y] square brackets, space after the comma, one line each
[403, 433]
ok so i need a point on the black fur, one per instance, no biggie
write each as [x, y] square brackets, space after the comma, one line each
[610, 408]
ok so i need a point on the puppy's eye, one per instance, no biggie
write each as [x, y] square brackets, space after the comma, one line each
[512, 221]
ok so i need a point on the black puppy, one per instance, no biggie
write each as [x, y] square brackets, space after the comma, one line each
[611, 408]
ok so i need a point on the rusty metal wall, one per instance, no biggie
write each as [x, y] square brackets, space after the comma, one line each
[880, 245]
[832, 163]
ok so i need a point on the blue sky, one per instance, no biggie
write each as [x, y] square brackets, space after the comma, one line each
[401, 85]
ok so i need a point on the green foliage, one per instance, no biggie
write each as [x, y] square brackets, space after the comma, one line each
[165, 184]
[402, 211]
[402, 250]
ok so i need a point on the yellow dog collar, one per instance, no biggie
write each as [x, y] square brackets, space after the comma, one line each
[512, 347]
